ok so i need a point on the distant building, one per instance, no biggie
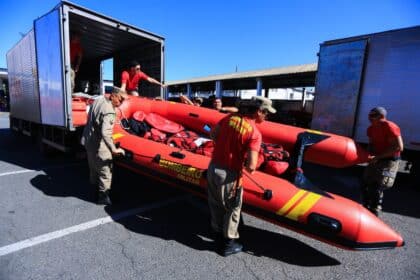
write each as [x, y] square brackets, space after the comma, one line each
[283, 83]
[4, 89]
[3, 78]
[281, 93]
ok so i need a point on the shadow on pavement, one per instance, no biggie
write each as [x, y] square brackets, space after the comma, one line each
[403, 197]
[63, 174]
[189, 225]
[128, 189]
[261, 242]
[58, 183]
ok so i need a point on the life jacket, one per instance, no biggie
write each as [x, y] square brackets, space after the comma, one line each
[206, 149]
[275, 168]
[272, 159]
[184, 140]
[150, 126]
[156, 135]
[273, 152]
[139, 116]
[163, 124]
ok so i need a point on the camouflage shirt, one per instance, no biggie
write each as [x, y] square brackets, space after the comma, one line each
[97, 133]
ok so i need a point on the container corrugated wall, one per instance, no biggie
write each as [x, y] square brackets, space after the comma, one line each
[23, 86]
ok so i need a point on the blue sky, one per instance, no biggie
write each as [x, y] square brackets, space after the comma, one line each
[215, 37]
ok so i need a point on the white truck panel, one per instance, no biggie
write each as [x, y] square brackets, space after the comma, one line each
[23, 85]
[50, 70]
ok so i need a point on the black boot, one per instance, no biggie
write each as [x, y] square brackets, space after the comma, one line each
[231, 247]
[219, 244]
[365, 196]
[376, 201]
[103, 198]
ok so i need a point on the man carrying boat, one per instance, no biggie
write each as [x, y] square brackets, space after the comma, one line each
[385, 145]
[100, 147]
[237, 143]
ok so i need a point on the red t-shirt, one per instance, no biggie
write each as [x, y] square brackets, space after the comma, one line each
[75, 51]
[381, 135]
[132, 82]
[236, 136]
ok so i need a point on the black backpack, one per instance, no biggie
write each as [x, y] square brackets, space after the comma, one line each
[135, 127]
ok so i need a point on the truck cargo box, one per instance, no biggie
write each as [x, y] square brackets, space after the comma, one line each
[39, 64]
[359, 73]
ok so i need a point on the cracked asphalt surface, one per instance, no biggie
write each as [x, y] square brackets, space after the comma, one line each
[39, 196]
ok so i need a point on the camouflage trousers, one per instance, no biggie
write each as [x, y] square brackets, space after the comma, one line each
[378, 176]
[224, 204]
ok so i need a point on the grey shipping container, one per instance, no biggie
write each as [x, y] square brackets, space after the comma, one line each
[359, 73]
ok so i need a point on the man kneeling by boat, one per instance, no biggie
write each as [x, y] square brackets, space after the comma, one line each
[237, 143]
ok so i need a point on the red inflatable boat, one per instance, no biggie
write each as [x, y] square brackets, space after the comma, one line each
[336, 151]
[79, 110]
[324, 216]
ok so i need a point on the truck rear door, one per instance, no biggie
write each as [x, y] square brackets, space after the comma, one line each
[337, 87]
[48, 38]
[391, 79]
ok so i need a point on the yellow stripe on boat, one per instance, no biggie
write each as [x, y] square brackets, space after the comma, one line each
[314, 131]
[117, 136]
[291, 202]
[303, 206]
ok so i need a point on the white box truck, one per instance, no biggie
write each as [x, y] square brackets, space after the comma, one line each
[358, 73]
[39, 69]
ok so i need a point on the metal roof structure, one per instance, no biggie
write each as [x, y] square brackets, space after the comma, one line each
[290, 76]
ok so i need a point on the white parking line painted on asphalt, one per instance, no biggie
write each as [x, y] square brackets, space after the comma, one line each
[8, 249]
[38, 170]
[17, 172]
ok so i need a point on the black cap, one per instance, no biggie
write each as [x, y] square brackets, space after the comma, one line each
[378, 111]
[133, 63]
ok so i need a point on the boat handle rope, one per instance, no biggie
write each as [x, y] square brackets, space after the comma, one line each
[268, 194]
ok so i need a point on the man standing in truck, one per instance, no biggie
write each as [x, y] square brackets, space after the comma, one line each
[100, 147]
[385, 146]
[218, 105]
[76, 54]
[131, 78]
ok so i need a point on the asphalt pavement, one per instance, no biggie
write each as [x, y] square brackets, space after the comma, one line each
[50, 228]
